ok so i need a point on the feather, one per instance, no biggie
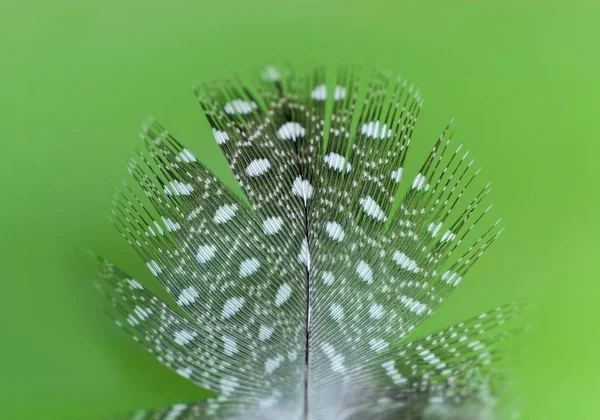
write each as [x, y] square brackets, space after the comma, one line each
[298, 299]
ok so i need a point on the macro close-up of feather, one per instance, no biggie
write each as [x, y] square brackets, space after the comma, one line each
[299, 210]
[300, 297]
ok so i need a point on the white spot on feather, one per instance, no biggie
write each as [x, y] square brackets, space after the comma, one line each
[272, 225]
[336, 162]
[419, 182]
[328, 278]
[283, 294]
[171, 225]
[228, 384]
[221, 137]
[187, 296]
[239, 106]
[175, 412]
[377, 344]
[134, 284]
[335, 231]
[392, 372]
[158, 228]
[319, 93]
[371, 207]
[304, 256]
[132, 320]
[336, 359]
[267, 402]
[232, 306]
[139, 314]
[154, 267]
[405, 262]
[364, 271]
[186, 156]
[249, 267]
[430, 358]
[451, 278]
[336, 311]
[186, 372]
[376, 130]
[178, 188]
[225, 213]
[291, 131]
[258, 167]
[184, 337]
[397, 175]
[339, 93]
[229, 345]
[142, 312]
[476, 345]
[434, 228]
[376, 311]
[448, 236]
[273, 363]
[271, 74]
[413, 305]
[302, 188]
[205, 253]
[265, 332]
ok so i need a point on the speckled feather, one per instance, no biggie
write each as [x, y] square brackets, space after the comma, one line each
[297, 301]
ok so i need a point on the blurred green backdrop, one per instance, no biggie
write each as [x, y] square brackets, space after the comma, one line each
[521, 78]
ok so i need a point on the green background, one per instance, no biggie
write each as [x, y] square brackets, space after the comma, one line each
[77, 78]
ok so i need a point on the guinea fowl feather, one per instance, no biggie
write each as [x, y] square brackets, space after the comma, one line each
[298, 300]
